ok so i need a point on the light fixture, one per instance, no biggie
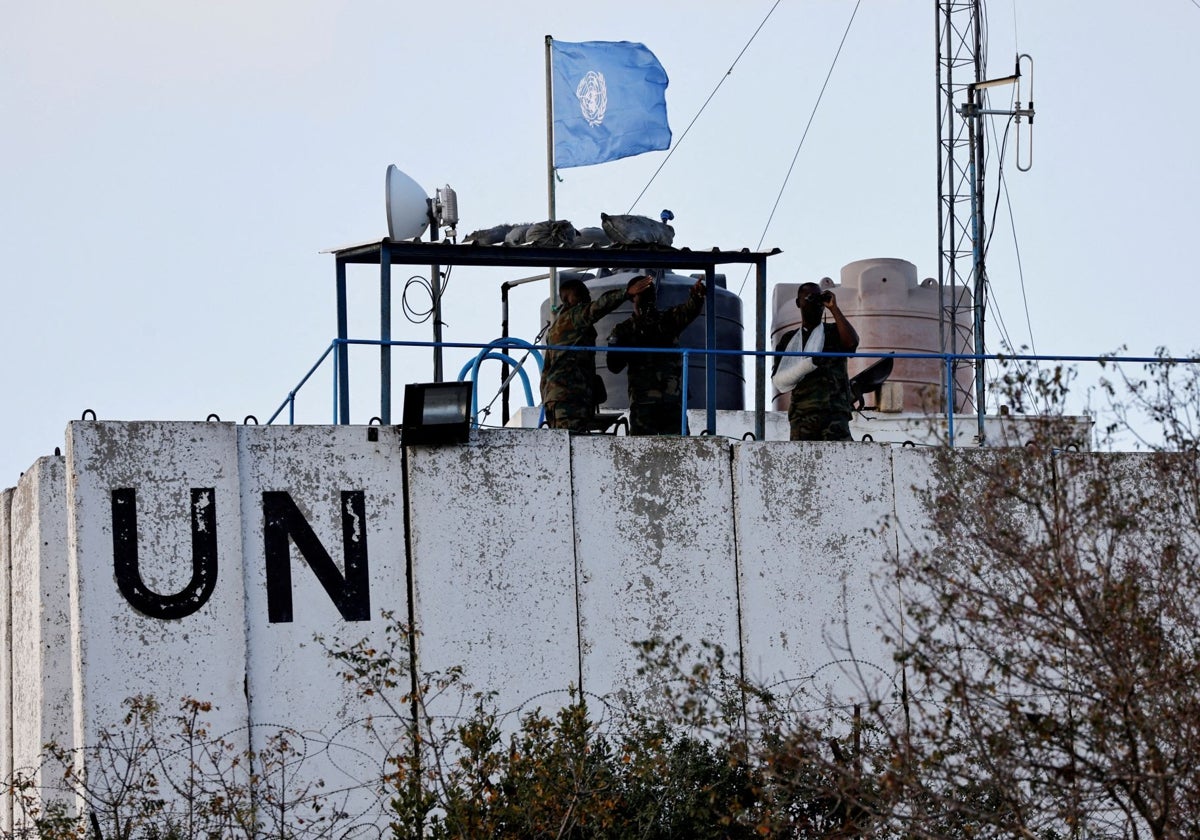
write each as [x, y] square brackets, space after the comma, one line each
[436, 413]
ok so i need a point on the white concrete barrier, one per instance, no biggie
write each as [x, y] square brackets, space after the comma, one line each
[155, 545]
[810, 524]
[654, 530]
[323, 529]
[494, 575]
[44, 670]
[6, 659]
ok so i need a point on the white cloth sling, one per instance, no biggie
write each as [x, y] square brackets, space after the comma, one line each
[794, 368]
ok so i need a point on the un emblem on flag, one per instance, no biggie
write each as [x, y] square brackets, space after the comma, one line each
[593, 97]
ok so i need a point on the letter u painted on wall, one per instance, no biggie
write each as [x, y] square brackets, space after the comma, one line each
[283, 525]
[204, 556]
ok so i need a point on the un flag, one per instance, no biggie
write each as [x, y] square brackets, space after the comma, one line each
[609, 102]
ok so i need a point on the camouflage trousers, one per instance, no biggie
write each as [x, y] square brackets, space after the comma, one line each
[568, 415]
[821, 425]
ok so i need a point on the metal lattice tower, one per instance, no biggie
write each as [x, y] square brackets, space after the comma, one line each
[960, 64]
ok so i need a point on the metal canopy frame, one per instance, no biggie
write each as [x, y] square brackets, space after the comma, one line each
[385, 253]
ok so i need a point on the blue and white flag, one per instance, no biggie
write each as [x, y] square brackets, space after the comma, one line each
[609, 102]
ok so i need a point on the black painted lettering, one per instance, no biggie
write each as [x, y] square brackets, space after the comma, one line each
[204, 556]
[351, 593]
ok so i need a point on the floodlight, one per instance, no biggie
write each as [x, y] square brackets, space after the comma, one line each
[407, 205]
[436, 413]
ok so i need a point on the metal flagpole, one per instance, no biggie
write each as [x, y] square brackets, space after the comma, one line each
[550, 160]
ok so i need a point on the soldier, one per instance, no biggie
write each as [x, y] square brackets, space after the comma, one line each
[654, 378]
[567, 374]
[820, 406]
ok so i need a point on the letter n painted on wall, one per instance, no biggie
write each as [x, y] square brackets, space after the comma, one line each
[283, 521]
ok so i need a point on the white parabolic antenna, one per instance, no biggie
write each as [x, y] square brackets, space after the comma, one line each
[407, 207]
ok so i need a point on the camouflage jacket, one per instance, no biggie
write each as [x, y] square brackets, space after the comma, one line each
[826, 389]
[567, 374]
[653, 377]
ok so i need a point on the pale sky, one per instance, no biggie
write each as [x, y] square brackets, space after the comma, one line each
[171, 172]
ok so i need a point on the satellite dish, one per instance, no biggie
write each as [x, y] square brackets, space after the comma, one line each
[407, 206]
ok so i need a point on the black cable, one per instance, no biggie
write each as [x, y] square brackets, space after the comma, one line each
[1017, 31]
[999, 180]
[803, 136]
[1012, 221]
[1020, 270]
[414, 315]
[1037, 366]
[1002, 184]
[991, 228]
[420, 316]
[728, 73]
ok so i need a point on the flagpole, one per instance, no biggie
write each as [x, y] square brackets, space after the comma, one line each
[550, 161]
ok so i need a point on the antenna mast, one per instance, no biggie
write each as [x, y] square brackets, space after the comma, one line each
[960, 64]
[961, 222]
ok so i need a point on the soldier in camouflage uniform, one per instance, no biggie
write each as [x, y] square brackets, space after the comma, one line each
[567, 374]
[820, 406]
[654, 378]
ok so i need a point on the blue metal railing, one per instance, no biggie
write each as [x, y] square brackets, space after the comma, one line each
[485, 351]
[290, 401]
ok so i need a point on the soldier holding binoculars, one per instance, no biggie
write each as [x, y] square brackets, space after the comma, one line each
[820, 386]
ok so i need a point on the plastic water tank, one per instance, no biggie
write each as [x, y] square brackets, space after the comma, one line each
[674, 289]
[893, 312]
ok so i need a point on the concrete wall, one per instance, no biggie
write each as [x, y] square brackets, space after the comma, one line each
[347, 489]
[811, 536]
[494, 568]
[176, 472]
[6, 721]
[654, 536]
[223, 563]
[44, 670]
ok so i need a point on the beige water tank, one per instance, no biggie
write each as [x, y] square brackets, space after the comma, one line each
[893, 312]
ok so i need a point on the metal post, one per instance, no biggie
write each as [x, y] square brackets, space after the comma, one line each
[710, 344]
[550, 160]
[950, 415]
[435, 287]
[977, 234]
[504, 378]
[385, 335]
[760, 346]
[343, 360]
[978, 231]
[683, 406]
